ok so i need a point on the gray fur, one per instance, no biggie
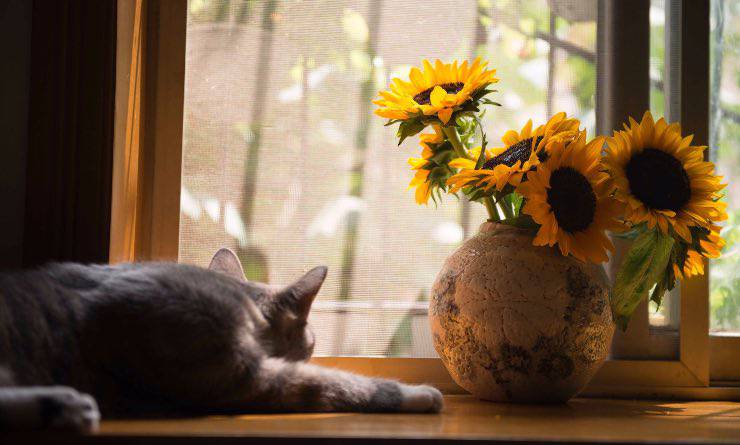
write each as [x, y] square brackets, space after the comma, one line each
[166, 338]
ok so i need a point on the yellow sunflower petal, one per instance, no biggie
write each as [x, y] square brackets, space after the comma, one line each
[584, 239]
[669, 162]
[437, 86]
[444, 115]
[462, 163]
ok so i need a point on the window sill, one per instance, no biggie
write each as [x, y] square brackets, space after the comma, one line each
[464, 418]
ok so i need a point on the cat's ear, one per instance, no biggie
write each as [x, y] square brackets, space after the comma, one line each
[300, 295]
[226, 262]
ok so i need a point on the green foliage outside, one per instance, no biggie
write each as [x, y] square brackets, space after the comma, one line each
[725, 130]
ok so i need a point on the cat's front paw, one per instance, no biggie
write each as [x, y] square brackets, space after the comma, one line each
[421, 399]
[65, 408]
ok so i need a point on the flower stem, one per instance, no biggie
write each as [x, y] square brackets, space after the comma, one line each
[457, 145]
[491, 208]
[454, 138]
[502, 210]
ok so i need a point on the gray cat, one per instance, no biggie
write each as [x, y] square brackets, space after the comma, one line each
[169, 339]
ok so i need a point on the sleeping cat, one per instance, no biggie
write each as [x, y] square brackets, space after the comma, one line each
[167, 339]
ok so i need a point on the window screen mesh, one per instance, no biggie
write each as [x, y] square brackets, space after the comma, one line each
[284, 162]
[724, 140]
[665, 57]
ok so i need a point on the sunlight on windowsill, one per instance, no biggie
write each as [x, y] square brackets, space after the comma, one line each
[589, 420]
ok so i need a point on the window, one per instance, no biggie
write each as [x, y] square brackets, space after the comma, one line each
[724, 129]
[284, 162]
[664, 318]
[654, 332]
[248, 124]
[724, 137]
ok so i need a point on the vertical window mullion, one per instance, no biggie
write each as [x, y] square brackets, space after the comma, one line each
[694, 103]
[623, 89]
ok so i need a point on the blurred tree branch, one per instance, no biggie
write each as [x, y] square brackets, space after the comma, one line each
[511, 22]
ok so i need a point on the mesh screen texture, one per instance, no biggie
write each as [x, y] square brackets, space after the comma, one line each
[284, 162]
[724, 143]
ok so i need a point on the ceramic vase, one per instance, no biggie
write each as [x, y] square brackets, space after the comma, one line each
[514, 322]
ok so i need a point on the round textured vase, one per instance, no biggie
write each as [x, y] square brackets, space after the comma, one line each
[514, 322]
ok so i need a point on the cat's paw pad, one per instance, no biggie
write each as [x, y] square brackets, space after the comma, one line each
[421, 399]
[65, 408]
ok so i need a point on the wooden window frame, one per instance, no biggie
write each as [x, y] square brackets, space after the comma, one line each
[147, 151]
[148, 155]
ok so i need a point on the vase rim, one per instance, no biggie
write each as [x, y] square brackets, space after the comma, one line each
[491, 226]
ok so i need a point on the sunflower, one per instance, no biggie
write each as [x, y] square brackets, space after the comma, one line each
[424, 166]
[708, 244]
[570, 198]
[521, 152]
[437, 90]
[662, 178]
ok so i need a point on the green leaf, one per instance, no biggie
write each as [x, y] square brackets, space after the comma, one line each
[482, 155]
[437, 173]
[481, 158]
[667, 282]
[508, 188]
[476, 194]
[643, 266]
[482, 92]
[441, 158]
[409, 128]
[487, 101]
[514, 201]
[632, 233]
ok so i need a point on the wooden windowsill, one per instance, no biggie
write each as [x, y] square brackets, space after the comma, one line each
[464, 418]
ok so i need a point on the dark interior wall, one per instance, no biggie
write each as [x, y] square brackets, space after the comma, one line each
[15, 46]
[70, 139]
[57, 90]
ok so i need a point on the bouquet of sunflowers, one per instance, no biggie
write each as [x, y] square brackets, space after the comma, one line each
[645, 182]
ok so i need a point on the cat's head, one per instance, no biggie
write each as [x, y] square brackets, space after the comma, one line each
[283, 309]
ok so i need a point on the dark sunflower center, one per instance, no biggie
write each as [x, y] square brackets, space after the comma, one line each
[572, 199]
[521, 151]
[659, 180]
[424, 97]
